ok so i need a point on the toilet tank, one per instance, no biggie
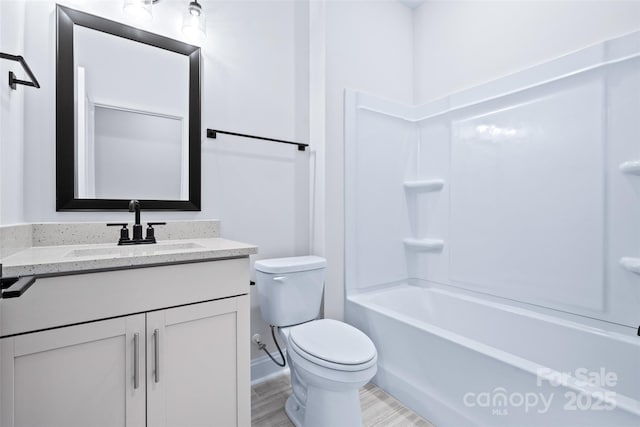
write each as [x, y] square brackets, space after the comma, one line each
[290, 289]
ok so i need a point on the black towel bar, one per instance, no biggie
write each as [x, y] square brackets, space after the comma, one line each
[212, 133]
[13, 81]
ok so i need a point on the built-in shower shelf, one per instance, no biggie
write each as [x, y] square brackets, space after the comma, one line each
[424, 185]
[632, 167]
[423, 245]
[631, 264]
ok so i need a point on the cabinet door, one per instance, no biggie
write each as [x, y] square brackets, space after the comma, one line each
[79, 375]
[198, 365]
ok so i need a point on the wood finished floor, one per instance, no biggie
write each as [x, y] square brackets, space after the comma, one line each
[378, 408]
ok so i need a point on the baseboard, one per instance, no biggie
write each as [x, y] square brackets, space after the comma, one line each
[263, 368]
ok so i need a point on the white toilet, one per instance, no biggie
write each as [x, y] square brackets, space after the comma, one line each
[329, 360]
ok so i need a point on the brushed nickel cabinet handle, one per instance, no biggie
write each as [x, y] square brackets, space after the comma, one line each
[156, 356]
[136, 360]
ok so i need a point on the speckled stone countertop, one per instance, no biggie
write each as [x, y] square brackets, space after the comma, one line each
[46, 260]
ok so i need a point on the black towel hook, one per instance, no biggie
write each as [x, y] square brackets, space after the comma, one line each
[13, 81]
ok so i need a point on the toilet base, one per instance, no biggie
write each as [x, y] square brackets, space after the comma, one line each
[329, 408]
[347, 413]
[294, 411]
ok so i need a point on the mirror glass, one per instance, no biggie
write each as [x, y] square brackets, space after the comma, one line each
[133, 155]
[131, 124]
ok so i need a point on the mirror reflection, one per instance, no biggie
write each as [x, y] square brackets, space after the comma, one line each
[132, 119]
[131, 154]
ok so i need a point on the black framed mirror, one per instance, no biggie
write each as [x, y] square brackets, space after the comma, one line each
[128, 120]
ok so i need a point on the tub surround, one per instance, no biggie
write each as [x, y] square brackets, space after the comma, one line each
[497, 258]
[459, 178]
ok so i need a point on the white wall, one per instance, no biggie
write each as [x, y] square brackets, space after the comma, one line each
[11, 116]
[369, 48]
[459, 44]
[255, 81]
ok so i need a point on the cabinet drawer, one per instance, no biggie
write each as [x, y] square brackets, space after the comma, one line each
[66, 300]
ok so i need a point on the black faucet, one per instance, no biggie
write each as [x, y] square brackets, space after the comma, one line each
[134, 206]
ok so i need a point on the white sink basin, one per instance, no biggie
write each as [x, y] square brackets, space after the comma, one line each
[132, 250]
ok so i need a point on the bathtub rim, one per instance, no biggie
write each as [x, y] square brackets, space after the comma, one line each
[621, 401]
[594, 325]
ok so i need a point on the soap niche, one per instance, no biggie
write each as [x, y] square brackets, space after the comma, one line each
[422, 197]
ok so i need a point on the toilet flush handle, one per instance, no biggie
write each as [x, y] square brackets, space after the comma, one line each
[280, 278]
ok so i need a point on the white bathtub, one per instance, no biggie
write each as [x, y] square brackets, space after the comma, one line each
[462, 359]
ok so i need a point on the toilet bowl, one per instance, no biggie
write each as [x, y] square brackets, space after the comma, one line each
[329, 360]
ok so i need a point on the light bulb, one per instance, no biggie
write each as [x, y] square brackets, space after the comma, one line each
[194, 22]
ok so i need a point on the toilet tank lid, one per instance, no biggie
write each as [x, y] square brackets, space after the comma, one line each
[291, 264]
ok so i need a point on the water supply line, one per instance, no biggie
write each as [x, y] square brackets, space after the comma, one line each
[262, 346]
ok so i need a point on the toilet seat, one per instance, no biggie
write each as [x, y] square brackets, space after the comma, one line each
[332, 344]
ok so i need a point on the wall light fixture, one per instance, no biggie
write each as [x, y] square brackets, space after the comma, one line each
[193, 21]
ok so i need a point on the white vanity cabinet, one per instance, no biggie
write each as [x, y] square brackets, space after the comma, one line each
[73, 376]
[165, 346]
[202, 352]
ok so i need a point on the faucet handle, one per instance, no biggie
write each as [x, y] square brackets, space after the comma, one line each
[124, 231]
[151, 232]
